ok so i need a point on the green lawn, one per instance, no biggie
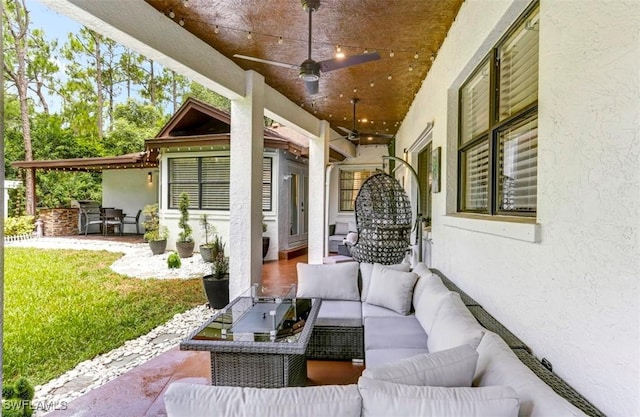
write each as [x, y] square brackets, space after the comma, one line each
[64, 306]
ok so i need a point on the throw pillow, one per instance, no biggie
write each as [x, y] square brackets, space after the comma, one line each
[366, 270]
[448, 368]
[391, 288]
[454, 325]
[342, 228]
[328, 281]
[384, 398]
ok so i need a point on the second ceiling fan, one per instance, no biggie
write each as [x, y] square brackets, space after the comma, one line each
[310, 70]
[361, 138]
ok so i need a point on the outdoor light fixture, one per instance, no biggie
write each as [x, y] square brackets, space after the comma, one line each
[149, 177]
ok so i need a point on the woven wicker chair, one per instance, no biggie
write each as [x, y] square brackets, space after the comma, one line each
[383, 220]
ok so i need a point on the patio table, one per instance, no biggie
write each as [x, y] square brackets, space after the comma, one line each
[258, 341]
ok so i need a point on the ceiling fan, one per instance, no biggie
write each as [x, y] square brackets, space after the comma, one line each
[310, 70]
[363, 138]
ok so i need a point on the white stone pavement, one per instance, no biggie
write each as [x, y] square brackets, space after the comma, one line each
[137, 262]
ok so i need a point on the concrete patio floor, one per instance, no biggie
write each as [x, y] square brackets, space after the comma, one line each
[140, 391]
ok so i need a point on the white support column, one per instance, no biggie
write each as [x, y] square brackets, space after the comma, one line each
[245, 190]
[318, 160]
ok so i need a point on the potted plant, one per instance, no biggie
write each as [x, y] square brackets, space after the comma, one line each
[154, 233]
[185, 243]
[207, 248]
[265, 239]
[216, 285]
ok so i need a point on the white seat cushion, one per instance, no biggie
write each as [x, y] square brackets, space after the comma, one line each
[393, 332]
[380, 357]
[339, 313]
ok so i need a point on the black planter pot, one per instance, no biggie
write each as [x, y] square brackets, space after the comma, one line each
[185, 249]
[265, 246]
[158, 246]
[207, 253]
[216, 290]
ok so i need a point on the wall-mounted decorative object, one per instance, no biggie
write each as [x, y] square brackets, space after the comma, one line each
[435, 170]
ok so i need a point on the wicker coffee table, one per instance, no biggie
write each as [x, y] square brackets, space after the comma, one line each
[258, 341]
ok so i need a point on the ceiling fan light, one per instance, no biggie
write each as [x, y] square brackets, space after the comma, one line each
[280, 40]
[216, 29]
[171, 13]
[391, 54]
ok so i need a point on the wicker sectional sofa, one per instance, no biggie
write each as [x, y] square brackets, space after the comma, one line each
[424, 350]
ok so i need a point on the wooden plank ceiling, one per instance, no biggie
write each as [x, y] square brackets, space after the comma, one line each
[406, 33]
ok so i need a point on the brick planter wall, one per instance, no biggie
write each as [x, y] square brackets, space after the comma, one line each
[60, 221]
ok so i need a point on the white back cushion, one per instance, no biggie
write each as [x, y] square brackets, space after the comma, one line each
[432, 294]
[366, 270]
[328, 281]
[384, 399]
[191, 400]
[498, 365]
[454, 325]
[447, 368]
[391, 288]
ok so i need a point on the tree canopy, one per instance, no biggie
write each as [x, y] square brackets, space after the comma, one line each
[111, 100]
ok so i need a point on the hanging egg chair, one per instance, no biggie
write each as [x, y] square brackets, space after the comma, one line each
[383, 220]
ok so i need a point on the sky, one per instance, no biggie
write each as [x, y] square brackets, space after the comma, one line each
[55, 25]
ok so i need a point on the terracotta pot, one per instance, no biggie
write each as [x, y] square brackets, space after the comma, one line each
[216, 290]
[185, 249]
[158, 246]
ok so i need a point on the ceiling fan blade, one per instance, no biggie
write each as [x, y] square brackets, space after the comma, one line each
[377, 135]
[266, 61]
[345, 130]
[312, 86]
[338, 63]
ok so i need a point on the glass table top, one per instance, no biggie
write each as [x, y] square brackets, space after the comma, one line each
[258, 319]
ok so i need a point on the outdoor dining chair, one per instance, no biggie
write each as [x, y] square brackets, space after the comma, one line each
[133, 220]
[112, 217]
[90, 217]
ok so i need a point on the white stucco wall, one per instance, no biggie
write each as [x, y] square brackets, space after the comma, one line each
[568, 286]
[219, 219]
[367, 157]
[129, 190]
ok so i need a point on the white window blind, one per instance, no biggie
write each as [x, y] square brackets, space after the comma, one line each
[266, 184]
[476, 177]
[207, 179]
[474, 104]
[215, 182]
[518, 81]
[350, 183]
[518, 147]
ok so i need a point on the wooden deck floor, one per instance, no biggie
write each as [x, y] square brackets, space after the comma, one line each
[139, 392]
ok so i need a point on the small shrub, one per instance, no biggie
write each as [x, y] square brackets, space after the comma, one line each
[173, 261]
[183, 223]
[17, 399]
[16, 226]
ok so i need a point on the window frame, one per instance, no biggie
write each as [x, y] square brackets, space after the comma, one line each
[371, 169]
[197, 205]
[495, 127]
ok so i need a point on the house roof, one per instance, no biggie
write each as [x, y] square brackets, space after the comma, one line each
[128, 161]
[194, 125]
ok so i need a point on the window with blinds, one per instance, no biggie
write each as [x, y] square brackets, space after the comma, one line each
[350, 183]
[207, 179]
[498, 145]
[474, 102]
[425, 175]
